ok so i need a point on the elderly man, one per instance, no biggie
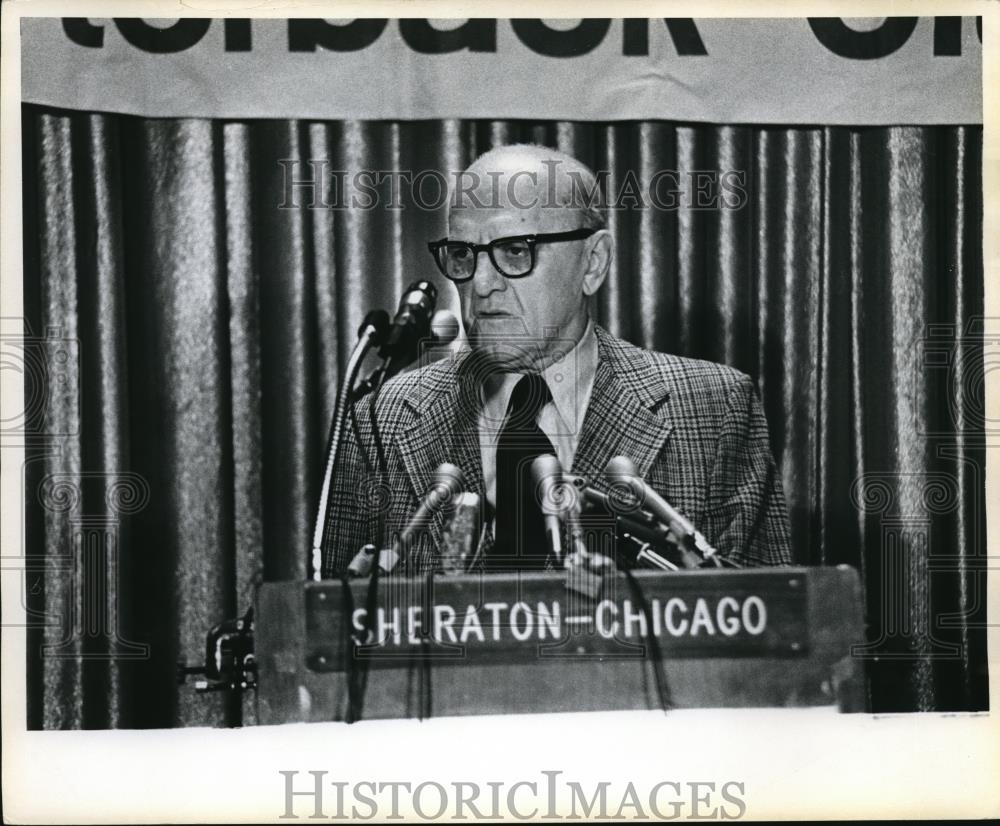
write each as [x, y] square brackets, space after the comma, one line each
[527, 252]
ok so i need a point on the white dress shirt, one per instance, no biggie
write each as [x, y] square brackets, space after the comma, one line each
[570, 381]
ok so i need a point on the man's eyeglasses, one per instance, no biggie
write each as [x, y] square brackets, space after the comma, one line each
[514, 256]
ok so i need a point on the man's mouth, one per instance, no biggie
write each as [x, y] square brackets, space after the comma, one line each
[493, 314]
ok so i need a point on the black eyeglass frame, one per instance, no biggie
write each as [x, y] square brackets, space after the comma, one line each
[532, 241]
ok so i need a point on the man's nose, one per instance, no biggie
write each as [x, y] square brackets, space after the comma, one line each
[487, 279]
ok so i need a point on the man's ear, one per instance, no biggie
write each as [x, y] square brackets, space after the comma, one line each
[602, 253]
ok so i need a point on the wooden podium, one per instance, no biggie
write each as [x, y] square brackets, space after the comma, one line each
[532, 642]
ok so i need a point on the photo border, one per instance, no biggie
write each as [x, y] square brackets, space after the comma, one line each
[794, 762]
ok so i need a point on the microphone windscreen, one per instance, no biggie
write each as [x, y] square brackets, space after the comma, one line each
[444, 326]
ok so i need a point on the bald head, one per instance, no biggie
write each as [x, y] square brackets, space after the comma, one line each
[531, 177]
[530, 248]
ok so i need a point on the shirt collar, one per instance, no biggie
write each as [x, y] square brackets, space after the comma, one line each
[570, 381]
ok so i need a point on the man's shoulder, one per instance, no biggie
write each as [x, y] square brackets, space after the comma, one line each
[668, 374]
[417, 386]
[648, 372]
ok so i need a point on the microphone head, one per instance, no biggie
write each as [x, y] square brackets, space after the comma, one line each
[425, 287]
[450, 479]
[412, 320]
[553, 494]
[625, 492]
[378, 321]
[442, 493]
[620, 466]
[444, 326]
[417, 303]
[545, 469]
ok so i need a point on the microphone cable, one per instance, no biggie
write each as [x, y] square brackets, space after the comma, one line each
[663, 693]
[373, 420]
[426, 687]
[356, 429]
[352, 673]
[358, 684]
[419, 661]
[358, 667]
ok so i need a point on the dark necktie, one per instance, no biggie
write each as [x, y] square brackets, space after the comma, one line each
[520, 528]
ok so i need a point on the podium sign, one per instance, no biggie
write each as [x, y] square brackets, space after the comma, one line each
[526, 642]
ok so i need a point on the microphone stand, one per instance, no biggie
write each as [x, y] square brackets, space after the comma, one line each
[369, 384]
[413, 318]
[367, 340]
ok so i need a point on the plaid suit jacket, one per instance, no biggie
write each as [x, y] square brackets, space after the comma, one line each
[694, 429]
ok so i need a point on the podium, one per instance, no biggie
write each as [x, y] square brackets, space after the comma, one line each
[532, 642]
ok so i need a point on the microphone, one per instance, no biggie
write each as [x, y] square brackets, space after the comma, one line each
[444, 327]
[444, 330]
[447, 484]
[641, 520]
[374, 328]
[546, 476]
[622, 469]
[412, 319]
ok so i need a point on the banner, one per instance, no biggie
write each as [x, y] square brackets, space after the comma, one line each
[874, 71]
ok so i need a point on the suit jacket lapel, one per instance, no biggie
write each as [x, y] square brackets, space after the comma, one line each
[445, 429]
[624, 415]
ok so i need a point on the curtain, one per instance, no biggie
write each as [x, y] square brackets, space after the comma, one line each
[204, 320]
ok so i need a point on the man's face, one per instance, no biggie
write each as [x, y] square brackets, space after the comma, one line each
[522, 323]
